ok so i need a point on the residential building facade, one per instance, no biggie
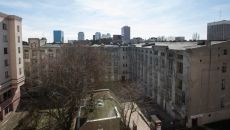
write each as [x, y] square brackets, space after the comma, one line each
[187, 79]
[11, 63]
[35, 51]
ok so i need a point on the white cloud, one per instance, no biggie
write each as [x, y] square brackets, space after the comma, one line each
[147, 18]
[15, 4]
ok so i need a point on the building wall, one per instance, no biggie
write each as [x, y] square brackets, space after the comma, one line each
[209, 91]
[12, 68]
[184, 82]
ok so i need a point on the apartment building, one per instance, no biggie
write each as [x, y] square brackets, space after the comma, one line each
[36, 50]
[116, 62]
[189, 80]
[11, 63]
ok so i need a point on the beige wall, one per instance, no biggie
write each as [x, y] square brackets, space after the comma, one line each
[14, 68]
[205, 91]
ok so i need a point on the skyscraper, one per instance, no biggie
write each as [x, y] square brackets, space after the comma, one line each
[58, 36]
[125, 33]
[218, 31]
[81, 36]
[97, 36]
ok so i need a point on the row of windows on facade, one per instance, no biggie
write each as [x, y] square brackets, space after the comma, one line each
[224, 52]
[4, 27]
[7, 73]
[5, 38]
[6, 63]
[6, 50]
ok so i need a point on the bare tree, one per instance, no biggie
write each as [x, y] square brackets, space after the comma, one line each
[64, 80]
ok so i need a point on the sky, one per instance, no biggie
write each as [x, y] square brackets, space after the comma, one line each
[147, 18]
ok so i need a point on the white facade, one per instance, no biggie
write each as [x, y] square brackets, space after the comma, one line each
[11, 63]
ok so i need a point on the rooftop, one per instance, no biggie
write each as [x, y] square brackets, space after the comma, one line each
[172, 45]
[48, 45]
[177, 45]
[219, 22]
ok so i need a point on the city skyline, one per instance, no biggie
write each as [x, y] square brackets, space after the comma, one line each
[146, 18]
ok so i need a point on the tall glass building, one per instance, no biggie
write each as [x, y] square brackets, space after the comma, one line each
[125, 32]
[58, 36]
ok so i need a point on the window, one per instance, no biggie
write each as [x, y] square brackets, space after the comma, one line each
[179, 67]
[179, 84]
[8, 109]
[34, 53]
[151, 60]
[162, 63]
[6, 75]
[26, 56]
[224, 68]
[18, 28]
[19, 40]
[19, 60]
[6, 63]
[170, 55]
[19, 50]
[225, 52]
[4, 27]
[162, 54]
[7, 95]
[52, 55]
[223, 84]
[156, 61]
[34, 61]
[5, 51]
[155, 52]
[180, 57]
[5, 38]
[20, 71]
[170, 65]
[222, 103]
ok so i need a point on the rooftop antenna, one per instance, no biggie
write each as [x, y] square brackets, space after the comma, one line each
[220, 14]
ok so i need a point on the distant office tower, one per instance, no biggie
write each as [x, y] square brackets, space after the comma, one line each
[81, 36]
[11, 63]
[108, 35]
[97, 36]
[125, 33]
[105, 36]
[218, 31]
[58, 36]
